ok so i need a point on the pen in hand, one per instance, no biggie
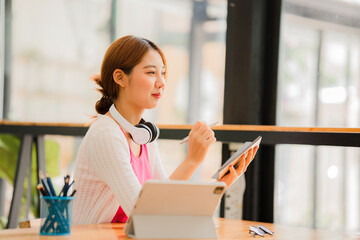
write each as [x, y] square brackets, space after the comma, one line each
[187, 138]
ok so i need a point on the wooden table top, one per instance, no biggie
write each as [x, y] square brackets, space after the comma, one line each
[227, 230]
[225, 127]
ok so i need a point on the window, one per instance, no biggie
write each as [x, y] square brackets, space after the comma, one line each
[318, 87]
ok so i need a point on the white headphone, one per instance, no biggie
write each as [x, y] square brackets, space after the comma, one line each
[142, 133]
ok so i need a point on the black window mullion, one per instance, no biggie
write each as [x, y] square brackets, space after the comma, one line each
[252, 46]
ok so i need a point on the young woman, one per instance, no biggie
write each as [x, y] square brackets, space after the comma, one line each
[111, 164]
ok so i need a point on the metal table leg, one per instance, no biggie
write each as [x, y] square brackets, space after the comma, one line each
[40, 157]
[24, 159]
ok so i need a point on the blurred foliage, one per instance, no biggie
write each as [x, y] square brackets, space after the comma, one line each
[9, 149]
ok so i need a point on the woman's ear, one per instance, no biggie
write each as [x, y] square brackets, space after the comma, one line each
[120, 77]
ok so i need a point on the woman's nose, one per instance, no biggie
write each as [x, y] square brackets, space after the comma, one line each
[160, 82]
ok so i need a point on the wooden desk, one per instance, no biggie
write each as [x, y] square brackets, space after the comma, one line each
[228, 229]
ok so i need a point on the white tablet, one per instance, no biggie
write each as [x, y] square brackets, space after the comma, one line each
[235, 158]
[175, 209]
[178, 197]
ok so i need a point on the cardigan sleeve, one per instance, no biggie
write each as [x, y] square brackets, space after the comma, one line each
[110, 157]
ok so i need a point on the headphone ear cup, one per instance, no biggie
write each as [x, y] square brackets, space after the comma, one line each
[154, 129]
[150, 135]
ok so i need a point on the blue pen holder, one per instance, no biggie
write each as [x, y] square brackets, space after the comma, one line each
[56, 215]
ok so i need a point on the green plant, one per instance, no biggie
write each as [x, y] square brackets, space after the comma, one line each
[9, 148]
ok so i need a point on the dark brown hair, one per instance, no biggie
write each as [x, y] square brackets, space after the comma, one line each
[124, 54]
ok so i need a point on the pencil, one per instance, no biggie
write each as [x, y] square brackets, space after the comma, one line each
[51, 187]
[64, 187]
[40, 187]
[44, 183]
[187, 138]
[73, 193]
[71, 184]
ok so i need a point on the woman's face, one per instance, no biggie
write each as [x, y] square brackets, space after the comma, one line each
[146, 82]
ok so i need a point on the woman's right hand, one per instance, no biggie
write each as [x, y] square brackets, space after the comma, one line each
[245, 160]
[200, 138]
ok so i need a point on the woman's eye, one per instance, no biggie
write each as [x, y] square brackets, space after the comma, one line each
[151, 72]
[163, 74]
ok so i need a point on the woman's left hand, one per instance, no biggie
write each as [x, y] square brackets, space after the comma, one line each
[245, 160]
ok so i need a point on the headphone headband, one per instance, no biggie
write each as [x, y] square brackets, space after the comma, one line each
[140, 135]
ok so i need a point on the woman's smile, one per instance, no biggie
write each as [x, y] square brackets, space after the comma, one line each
[156, 95]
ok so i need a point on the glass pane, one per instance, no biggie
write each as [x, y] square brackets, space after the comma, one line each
[334, 80]
[56, 47]
[319, 87]
[290, 184]
[297, 75]
[330, 189]
[195, 50]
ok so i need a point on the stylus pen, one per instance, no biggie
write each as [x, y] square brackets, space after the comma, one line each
[187, 138]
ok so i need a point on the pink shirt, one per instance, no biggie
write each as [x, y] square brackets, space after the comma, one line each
[142, 170]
